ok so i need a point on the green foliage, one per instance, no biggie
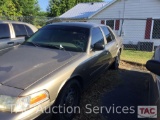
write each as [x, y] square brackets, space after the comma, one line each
[58, 7]
[53, 9]
[42, 14]
[20, 10]
[28, 7]
[10, 8]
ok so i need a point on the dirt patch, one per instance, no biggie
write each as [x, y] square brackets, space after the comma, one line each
[105, 83]
[132, 66]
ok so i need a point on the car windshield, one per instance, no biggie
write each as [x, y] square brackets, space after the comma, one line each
[69, 38]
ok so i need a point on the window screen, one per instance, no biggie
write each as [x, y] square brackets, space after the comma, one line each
[19, 30]
[156, 29]
[110, 23]
[4, 31]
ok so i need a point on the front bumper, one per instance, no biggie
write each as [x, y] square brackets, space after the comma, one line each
[27, 115]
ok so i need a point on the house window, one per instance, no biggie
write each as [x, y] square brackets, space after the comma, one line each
[110, 23]
[156, 29]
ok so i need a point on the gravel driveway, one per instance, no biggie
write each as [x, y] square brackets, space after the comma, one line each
[128, 86]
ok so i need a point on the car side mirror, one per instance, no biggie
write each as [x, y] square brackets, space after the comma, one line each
[153, 66]
[98, 46]
[27, 37]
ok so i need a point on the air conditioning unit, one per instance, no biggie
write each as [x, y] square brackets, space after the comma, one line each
[146, 46]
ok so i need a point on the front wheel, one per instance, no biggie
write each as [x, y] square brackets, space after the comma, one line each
[116, 63]
[69, 99]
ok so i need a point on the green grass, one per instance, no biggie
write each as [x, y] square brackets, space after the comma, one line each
[136, 56]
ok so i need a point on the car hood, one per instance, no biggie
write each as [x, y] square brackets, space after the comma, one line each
[24, 65]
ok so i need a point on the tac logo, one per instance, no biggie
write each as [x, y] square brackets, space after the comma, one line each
[147, 111]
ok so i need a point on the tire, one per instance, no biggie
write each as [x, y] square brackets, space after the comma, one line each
[69, 96]
[116, 63]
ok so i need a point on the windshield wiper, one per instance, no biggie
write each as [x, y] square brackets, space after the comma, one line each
[53, 46]
[36, 45]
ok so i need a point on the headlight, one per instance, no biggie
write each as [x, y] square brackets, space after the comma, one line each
[6, 102]
[20, 104]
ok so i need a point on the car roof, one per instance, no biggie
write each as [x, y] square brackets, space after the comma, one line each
[17, 22]
[10, 21]
[78, 24]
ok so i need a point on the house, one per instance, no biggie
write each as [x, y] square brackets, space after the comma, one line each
[135, 20]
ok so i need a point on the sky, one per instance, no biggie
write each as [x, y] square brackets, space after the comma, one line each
[44, 4]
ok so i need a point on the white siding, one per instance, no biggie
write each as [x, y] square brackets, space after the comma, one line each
[134, 30]
[113, 11]
[142, 9]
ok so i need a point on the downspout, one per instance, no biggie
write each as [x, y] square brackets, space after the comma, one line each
[124, 8]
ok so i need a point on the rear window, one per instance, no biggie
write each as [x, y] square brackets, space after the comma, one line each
[20, 30]
[4, 31]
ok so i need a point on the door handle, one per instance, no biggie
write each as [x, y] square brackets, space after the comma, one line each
[10, 43]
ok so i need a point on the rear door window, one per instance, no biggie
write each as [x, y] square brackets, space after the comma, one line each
[4, 31]
[29, 30]
[112, 35]
[20, 30]
[108, 34]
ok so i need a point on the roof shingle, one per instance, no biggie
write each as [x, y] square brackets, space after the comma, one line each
[84, 10]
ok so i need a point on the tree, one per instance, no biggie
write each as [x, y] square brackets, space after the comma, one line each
[12, 9]
[41, 19]
[8, 9]
[53, 8]
[29, 10]
[28, 7]
[58, 7]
